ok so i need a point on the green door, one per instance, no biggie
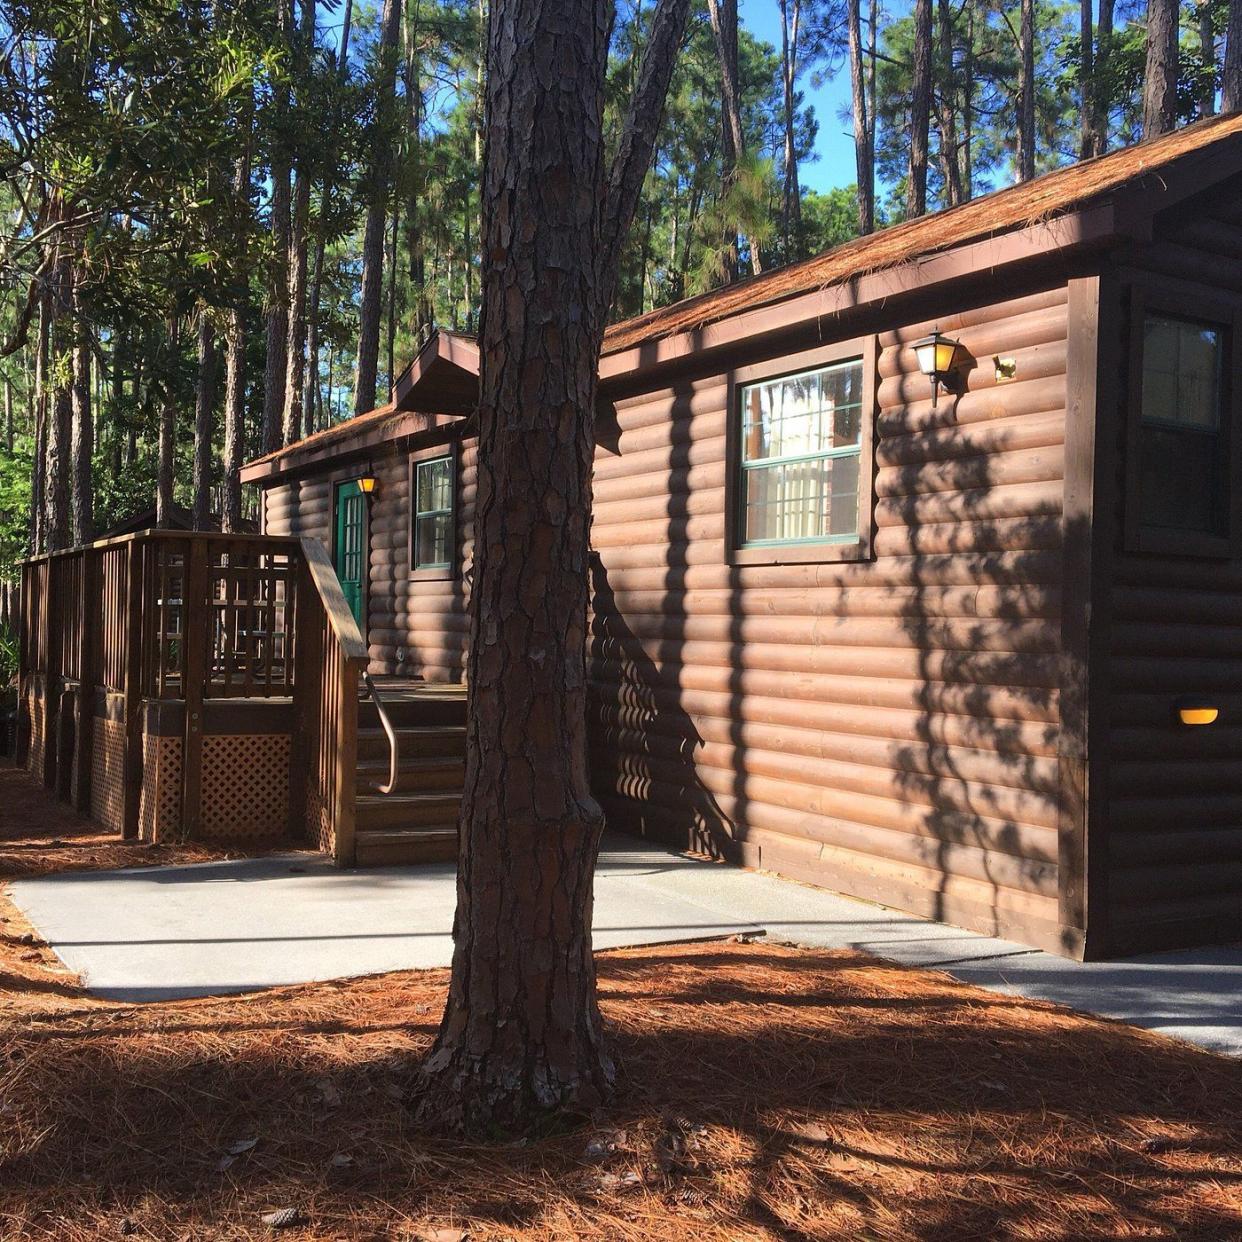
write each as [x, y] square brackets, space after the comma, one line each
[350, 541]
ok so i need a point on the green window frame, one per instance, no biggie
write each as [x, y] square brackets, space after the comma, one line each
[801, 463]
[433, 495]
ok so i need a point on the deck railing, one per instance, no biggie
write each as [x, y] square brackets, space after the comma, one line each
[166, 617]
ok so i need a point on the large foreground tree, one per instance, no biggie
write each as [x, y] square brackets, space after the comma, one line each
[521, 1035]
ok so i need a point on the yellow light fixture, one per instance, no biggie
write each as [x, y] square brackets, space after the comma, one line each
[937, 355]
[1194, 712]
[367, 484]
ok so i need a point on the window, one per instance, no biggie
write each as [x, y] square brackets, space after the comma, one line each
[1182, 483]
[432, 529]
[1183, 441]
[801, 457]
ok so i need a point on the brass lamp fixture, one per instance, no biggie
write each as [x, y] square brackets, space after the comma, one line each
[367, 484]
[937, 357]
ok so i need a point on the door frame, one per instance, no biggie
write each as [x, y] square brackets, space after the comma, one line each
[337, 481]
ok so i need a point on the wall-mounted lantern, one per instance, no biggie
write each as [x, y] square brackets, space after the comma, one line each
[1192, 712]
[937, 357]
[367, 484]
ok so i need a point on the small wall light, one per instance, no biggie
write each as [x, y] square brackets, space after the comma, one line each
[367, 484]
[1196, 712]
[936, 355]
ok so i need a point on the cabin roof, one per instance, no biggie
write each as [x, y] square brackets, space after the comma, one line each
[443, 376]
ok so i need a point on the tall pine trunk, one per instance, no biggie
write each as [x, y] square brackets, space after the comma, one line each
[864, 159]
[1207, 55]
[166, 469]
[276, 312]
[83, 437]
[58, 460]
[1231, 78]
[380, 182]
[38, 513]
[522, 1035]
[920, 110]
[1026, 94]
[791, 194]
[295, 343]
[204, 410]
[1160, 77]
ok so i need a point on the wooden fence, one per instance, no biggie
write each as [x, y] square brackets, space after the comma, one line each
[144, 656]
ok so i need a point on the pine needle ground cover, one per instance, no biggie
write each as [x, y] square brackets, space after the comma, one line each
[766, 1093]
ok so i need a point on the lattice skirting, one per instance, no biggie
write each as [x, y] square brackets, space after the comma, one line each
[37, 704]
[108, 774]
[159, 816]
[245, 787]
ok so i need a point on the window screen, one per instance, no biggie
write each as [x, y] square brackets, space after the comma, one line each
[433, 513]
[800, 460]
[1182, 479]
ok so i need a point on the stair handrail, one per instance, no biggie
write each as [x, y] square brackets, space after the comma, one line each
[386, 721]
[336, 607]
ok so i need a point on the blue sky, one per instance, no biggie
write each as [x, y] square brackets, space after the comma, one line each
[834, 146]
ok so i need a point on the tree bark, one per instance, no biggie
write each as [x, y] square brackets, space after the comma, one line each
[38, 516]
[276, 313]
[1231, 78]
[723, 16]
[950, 158]
[864, 160]
[377, 214]
[521, 1035]
[1026, 94]
[204, 409]
[1087, 88]
[1207, 52]
[920, 110]
[82, 447]
[168, 431]
[310, 396]
[1160, 78]
[791, 200]
[58, 459]
[295, 345]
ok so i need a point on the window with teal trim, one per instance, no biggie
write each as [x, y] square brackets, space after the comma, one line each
[801, 456]
[433, 513]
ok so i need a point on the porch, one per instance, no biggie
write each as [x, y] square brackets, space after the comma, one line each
[201, 687]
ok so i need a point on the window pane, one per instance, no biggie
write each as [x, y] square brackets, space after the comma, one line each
[800, 415]
[431, 539]
[1181, 471]
[815, 499]
[434, 485]
[1181, 372]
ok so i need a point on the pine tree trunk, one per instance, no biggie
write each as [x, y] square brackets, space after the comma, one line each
[864, 162]
[295, 343]
[38, 515]
[276, 312]
[1160, 77]
[371, 306]
[83, 436]
[791, 201]
[1087, 86]
[950, 156]
[234, 420]
[1026, 97]
[204, 409]
[920, 110]
[1231, 78]
[58, 460]
[522, 1035]
[1207, 52]
[166, 470]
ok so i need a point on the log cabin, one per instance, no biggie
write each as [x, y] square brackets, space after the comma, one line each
[916, 571]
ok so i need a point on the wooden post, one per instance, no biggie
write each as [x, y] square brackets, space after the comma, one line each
[21, 743]
[307, 672]
[91, 660]
[346, 672]
[196, 621]
[51, 675]
[133, 691]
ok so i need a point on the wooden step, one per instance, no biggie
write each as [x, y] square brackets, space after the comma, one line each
[420, 743]
[415, 774]
[418, 711]
[406, 810]
[396, 848]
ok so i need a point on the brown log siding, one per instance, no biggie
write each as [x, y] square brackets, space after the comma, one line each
[888, 727]
[1175, 804]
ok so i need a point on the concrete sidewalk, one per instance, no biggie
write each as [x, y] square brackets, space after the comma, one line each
[151, 934]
